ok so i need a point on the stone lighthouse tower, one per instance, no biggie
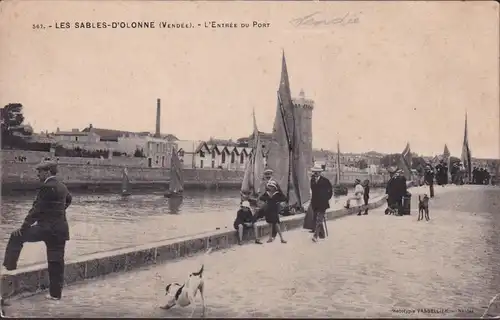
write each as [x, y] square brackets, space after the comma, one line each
[303, 112]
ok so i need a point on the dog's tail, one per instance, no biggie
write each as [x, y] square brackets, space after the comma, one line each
[200, 273]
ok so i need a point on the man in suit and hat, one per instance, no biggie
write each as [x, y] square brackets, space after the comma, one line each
[46, 221]
[429, 179]
[321, 193]
[390, 190]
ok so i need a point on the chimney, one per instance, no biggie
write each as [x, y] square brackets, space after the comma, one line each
[158, 116]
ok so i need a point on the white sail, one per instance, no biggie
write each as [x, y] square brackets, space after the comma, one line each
[255, 166]
[125, 182]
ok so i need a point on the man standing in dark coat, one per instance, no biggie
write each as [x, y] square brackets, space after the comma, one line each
[390, 190]
[321, 193]
[401, 190]
[429, 179]
[46, 221]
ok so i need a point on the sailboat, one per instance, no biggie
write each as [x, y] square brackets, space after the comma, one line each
[285, 156]
[176, 184]
[125, 183]
[251, 185]
[338, 189]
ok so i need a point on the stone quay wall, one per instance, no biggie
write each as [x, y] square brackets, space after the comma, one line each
[33, 279]
[105, 173]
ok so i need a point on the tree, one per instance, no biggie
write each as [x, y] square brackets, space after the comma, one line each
[454, 160]
[12, 119]
[139, 153]
[390, 160]
[418, 163]
[361, 164]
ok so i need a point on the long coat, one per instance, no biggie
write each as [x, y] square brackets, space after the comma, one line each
[321, 194]
[272, 207]
[49, 209]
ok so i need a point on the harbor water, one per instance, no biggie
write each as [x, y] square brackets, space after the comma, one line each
[102, 222]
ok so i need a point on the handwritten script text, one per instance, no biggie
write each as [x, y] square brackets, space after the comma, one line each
[315, 19]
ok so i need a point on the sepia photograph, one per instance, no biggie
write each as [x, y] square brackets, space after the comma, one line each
[250, 159]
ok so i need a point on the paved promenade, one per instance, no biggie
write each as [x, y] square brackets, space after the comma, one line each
[370, 266]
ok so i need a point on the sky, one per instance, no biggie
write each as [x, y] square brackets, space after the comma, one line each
[382, 74]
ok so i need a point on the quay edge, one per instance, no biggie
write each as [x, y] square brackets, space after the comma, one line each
[34, 279]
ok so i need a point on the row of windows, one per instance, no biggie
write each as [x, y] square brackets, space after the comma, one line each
[233, 157]
[160, 147]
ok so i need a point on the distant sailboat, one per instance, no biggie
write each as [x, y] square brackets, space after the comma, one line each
[125, 183]
[176, 184]
[338, 189]
[251, 185]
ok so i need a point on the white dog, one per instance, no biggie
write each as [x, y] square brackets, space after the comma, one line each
[185, 294]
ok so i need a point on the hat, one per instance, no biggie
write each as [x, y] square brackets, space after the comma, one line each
[47, 166]
[317, 168]
[268, 171]
[272, 184]
[245, 203]
[357, 180]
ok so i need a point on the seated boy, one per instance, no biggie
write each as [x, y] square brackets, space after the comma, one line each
[245, 220]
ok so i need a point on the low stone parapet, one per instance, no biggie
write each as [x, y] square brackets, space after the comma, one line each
[33, 279]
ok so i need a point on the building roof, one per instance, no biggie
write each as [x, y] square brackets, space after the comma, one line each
[221, 142]
[111, 134]
[71, 133]
[188, 146]
[262, 135]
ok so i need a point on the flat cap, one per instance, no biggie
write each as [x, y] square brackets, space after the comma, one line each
[47, 165]
[268, 171]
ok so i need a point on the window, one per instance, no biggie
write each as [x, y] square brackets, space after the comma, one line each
[202, 154]
[232, 157]
[201, 163]
[213, 154]
[76, 138]
[242, 158]
[223, 157]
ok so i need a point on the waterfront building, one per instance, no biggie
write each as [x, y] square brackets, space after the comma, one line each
[186, 150]
[222, 154]
[76, 136]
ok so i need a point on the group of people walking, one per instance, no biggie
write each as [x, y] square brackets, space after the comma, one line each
[480, 176]
[440, 175]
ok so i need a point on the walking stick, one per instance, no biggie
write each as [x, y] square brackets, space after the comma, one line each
[326, 227]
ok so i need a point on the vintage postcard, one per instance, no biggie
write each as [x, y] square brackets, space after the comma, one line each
[250, 159]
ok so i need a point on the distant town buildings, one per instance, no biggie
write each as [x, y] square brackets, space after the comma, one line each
[157, 148]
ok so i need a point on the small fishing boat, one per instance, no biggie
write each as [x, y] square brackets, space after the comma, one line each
[338, 189]
[176, 184]
[252, 179]
[125, 183]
